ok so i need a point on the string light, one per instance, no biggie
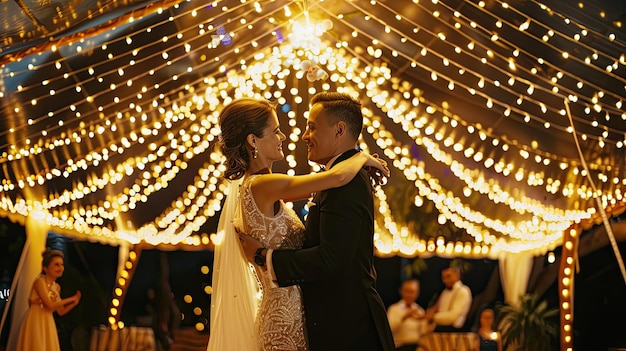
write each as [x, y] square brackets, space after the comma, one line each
[181, 125]
[91, 141]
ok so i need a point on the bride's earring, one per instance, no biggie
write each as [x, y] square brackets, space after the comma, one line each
[255, 152]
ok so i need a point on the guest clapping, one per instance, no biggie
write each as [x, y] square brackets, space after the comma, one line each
[404, 317]
[453, 304]
[38, 330]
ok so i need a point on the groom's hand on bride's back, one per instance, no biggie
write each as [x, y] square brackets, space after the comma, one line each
[248, 244]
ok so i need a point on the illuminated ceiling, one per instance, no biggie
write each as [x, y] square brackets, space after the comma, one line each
[108, 112]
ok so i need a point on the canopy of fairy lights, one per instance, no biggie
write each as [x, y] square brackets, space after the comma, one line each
[503, 121]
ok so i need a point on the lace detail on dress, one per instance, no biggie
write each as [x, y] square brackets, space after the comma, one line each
[280, 320]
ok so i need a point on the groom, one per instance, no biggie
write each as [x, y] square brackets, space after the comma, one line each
[343, 310]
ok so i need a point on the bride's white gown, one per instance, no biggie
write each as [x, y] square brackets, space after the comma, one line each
[280, 318]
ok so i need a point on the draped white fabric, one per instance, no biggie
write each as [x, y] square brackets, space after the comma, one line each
[28, 269]
[515, 269]
[235, 297]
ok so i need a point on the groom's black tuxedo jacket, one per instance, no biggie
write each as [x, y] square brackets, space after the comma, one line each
[343, 310]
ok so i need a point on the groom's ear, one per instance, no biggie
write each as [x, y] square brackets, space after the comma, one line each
[340, 128]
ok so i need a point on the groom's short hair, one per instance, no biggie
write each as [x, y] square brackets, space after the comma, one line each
[341, 107]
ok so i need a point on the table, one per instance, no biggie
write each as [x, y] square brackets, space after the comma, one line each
[448, 342]
[125, 339]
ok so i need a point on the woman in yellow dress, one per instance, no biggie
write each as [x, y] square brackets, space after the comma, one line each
[38, 330]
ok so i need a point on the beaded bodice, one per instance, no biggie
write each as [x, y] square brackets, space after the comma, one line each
[280, 319]
[282, 231]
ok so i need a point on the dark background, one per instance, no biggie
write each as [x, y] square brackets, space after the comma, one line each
[599, 287]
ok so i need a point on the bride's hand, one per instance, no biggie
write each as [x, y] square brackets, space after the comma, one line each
[377, 168]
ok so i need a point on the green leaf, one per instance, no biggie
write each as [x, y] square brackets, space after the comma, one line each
[529, 327]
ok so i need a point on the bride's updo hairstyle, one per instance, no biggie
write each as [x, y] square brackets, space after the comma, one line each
[237, 120]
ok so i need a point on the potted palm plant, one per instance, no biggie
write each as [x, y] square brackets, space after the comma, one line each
[529, 326]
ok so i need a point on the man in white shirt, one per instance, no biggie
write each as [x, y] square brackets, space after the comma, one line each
[453, 304]
[403, 316]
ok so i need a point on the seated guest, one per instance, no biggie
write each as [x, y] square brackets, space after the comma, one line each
[489, 339]
[403, 316]
[453, 304]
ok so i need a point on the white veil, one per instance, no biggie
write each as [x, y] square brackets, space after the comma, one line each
[235, 297]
